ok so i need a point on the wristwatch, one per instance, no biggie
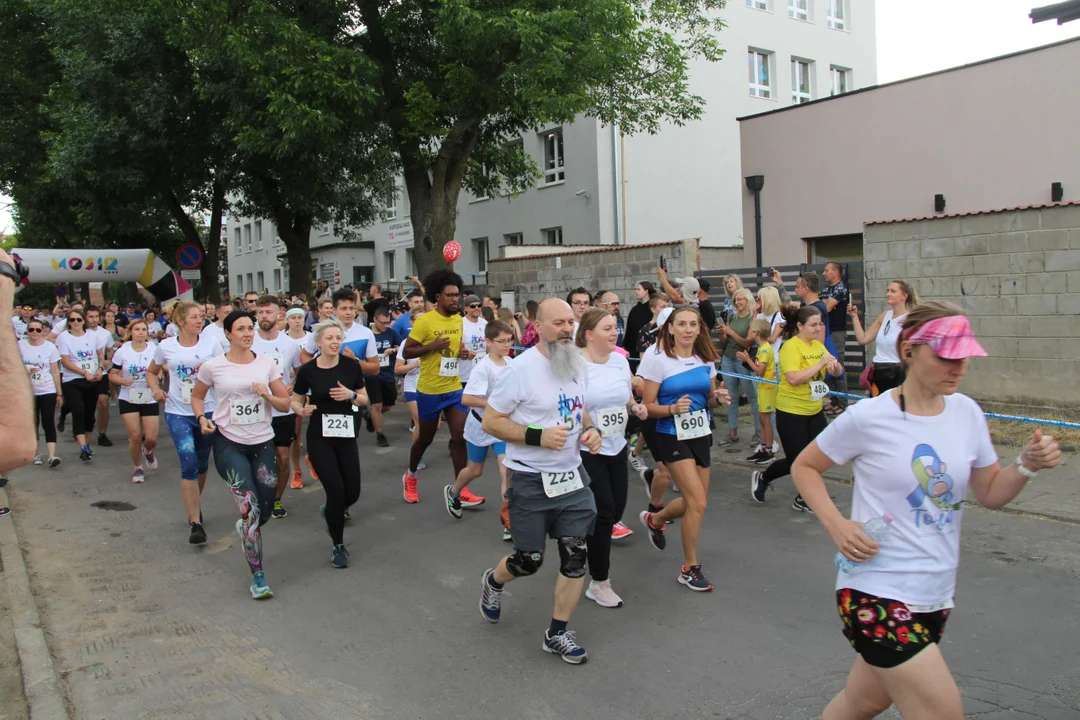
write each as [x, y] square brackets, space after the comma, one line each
[9, 271]
[1023, 470]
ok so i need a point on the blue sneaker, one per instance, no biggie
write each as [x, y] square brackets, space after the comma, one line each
[566, 647]
[421, 466]
[490, 599]
[259, 589]
[339, 557]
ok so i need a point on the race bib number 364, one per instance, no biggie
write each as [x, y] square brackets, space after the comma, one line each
[247, 412]
[556, 484]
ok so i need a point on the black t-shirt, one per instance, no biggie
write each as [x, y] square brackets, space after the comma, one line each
[122, 320]
[319, 381]
[708, 314]
[370, 305]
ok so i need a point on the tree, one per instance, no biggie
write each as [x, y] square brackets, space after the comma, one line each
[457, 79]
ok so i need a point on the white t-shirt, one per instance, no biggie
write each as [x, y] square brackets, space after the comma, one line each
[104, 338]
[19, 326]
[885, 341]
[609, 389]
[218, 333]
[38, 361]
[677, 376]
[482, 381]
[171, 330]
[776, 319]
[285, 353]
[472, 338]
[917, 469]
[58, 327]
[358, 338]
[82, 350]
[413, 376]
[154, 328]
[232, 383]
[530, 394]
[132, 364]
[183, 365]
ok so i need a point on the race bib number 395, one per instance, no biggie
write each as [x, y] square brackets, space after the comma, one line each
[556, 484]
[612, 421]
[693, 424]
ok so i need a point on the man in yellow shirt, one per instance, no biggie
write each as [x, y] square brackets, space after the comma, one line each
[436, 340]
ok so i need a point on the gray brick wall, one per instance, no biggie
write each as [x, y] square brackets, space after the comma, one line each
[1017, 274]
[617, 269]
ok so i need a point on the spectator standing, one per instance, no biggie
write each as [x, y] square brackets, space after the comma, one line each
[705, 306]
[836, 297]
[732, 285]
[736, 332]
[638, 317]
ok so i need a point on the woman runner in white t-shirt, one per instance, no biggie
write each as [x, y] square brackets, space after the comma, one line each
[294, 328]
[138, 408]
[81, 359]
[42, 361]
[916, 451]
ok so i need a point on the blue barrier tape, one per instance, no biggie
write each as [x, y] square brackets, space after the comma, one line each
[849, 396]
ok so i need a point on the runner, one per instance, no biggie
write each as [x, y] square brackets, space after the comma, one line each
[216, 329]
[359, 343]
[799, 416]
[105, 339]
[680, 390]
[916, 451]
[609, 399]
[410, 370]
[382, 387]
[294, 320]
[138, 409]
[181, 357]
[500, 339]
[285, 354]
[538, 409]
[436, 340]
[42, 361]
[241, 430]
[886, 369]
[472, 335]
[81, 361]
[336, 389]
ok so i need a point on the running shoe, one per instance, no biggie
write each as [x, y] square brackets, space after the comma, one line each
[279, 511]
[638, 463]
[656, 537]
[490, 598]
[54, 461]
[346, 514]
[339, 557]
[259, 589]
[692, 578]
[409, 488]
[657, 508]
[728, 440]
[104, 441]
[314, 475]
[453, 504]
[647, 478]
[138, 476]
[766, 458]
[506, 535]
[412, 428]
[197, 535]
[84, 454]
[151, 461]
[799, 504]
[620, 531]
[421, 466]
[297, 481]
[758, 486]
[38, 460]
[757, 450]
[564, 645]
[381, 440]
[470, 500]
[602, 594]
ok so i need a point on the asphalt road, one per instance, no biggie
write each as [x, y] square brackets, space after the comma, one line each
[144, 625]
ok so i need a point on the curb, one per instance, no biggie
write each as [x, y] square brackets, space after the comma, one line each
[40, 682]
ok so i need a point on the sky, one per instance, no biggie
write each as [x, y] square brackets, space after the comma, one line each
[915, 37]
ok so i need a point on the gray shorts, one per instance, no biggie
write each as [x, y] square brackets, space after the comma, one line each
[534, 516]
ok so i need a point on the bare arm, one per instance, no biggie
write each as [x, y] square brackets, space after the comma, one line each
[799, 377]
[403, 367]
[995, 487]
[413, 349]
[865, 337]
[17, 420]
[474, 401]
[279, 398]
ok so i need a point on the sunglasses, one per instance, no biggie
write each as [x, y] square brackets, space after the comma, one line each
[74, 320]
[474, 305]
[34, 330]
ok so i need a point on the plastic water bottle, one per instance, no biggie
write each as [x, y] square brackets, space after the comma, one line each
[877, 530]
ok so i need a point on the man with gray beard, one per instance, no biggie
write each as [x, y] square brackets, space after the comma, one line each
[538, 409]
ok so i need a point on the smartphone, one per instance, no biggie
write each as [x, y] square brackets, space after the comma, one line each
[663, 265]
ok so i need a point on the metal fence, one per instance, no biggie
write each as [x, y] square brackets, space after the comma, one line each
[757, 277]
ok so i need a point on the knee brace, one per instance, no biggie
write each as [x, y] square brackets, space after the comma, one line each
[573, 554]
[522, 564]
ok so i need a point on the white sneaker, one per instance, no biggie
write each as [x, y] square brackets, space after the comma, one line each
[38, 460]
[602, 594]
[638, 463]
[775, 447]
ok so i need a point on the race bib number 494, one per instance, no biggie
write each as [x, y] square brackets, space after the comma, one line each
[556, 484]
[448, 367]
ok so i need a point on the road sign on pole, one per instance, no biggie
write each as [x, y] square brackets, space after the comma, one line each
[190, 274]
[189, 256]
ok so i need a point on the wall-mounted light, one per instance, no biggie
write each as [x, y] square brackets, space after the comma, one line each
[939, 203]
[1057, 192]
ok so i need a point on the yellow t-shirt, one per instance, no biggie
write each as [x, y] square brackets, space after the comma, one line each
[797, 355]
[429, 327]
[766, 357]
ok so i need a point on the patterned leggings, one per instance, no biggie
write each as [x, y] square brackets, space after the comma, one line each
[250, 471]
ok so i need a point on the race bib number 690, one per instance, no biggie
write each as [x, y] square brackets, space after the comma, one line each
[692, 425]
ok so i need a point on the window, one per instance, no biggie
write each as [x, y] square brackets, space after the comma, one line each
[514, 239]
[239, 245]
[760, 82]
[250, 284]
[757, 4]
[552, 236]
[410, 262]
[325, 229]
[239, 282]
[480, 246]
[799, 9]
[258, 235]
[553, 156]
[260, 283]
[389, 208]
[389, 260]
[277, 279]
[800, 81]
[247, 237]
[840, 79]
[836, 15]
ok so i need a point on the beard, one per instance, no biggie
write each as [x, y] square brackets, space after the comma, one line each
[566, 360]
[267, 325]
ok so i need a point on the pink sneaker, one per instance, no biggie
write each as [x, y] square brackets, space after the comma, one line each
[619, 531]
[409, 483]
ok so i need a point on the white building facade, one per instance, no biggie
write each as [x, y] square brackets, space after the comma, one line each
[601, 188]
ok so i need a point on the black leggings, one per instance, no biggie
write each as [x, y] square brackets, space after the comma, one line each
[337, 463]
[45, 415]
[609, 487]
[796, 432]
[80, 398]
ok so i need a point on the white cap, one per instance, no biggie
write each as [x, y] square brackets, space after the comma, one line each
[663, 316]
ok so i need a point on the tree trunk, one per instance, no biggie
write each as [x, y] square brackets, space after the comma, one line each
[208, 272]
[295, 231]
[434, 220]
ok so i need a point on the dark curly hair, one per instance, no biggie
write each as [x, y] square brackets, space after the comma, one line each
[436, 281]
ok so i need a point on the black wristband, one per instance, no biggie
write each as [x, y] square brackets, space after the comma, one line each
[533, 435]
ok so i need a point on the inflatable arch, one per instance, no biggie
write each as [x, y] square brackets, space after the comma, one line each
[141, 266]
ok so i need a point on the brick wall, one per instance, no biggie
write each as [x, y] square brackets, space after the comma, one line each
[615, 268]
[1016, 273]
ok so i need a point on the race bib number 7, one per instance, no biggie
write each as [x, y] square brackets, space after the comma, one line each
[692, 425]
[143, 396]
[556, 484]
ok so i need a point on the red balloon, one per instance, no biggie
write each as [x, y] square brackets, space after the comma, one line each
[451, 251]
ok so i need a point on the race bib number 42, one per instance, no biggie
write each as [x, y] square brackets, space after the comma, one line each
[337, 426]
[612, 421]
[818, 390]
[693, 424]
[556, 484]
[448, 367]
[247, 412]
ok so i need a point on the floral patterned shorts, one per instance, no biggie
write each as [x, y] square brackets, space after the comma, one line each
[885, 632]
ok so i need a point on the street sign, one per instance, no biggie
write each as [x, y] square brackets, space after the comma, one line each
[190, 274]
[189, 256]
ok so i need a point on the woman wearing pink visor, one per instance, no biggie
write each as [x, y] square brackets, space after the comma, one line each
[916, 451]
